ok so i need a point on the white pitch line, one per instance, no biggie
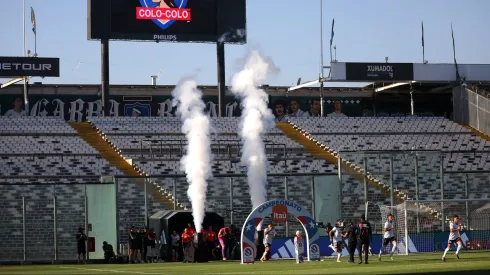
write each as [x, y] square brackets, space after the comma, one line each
[112, 270]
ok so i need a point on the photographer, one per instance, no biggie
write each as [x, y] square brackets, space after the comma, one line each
[108, 251]
[232, 242]
[81, 244]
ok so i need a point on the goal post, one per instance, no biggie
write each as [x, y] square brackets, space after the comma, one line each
[423, 225]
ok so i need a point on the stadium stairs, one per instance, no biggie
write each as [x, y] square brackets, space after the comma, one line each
[88, 133]
[318, 150]
[476, 132]
[321, 151]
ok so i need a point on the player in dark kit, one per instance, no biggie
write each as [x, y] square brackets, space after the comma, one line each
[364, 237]
[133, 247]
[351, 235]
[81, 239]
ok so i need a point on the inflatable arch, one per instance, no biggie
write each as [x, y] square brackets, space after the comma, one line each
[279, 209]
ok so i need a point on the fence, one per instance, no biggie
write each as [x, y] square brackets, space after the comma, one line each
[40, 221]
[395, 176]
[472, 107]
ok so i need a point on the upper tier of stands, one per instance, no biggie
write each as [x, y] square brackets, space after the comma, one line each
[33, 148]
[378, 125]
[32, 125]
[431, 139]
[156, 144]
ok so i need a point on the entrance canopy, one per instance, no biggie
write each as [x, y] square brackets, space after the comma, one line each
[280, 210]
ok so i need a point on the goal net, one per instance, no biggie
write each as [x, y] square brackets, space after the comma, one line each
[423, 226]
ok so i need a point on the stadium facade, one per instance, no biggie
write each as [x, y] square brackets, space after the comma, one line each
[75, 102]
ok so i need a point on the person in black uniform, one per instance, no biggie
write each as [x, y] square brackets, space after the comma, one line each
[351, 235]
[150, 245]
[140, 241]
[81, 244]
[364, 237]
[133, 238]
[144, 243]
[108, 252]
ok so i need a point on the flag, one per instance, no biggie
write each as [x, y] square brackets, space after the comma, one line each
[422, 33]
[33, 21]
[332, 34]
[454, 45]
[454, 53]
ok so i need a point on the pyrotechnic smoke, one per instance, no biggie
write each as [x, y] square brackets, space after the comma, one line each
[196, 163]
[256, 119]
[232, 35]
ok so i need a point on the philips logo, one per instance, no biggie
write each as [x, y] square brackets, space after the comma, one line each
[165, 37]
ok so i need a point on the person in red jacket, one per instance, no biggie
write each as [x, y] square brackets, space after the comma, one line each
[186, 243]
[190, 230]
[211, 241]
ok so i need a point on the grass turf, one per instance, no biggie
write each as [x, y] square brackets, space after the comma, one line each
[470, 263]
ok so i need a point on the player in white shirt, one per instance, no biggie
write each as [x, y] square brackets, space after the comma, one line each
[336, 238]
[454, 237]
[269, 234]
[388, 237]
[299, 247]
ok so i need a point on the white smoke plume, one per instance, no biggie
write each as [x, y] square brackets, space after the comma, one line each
[196, 163]
[238, 34]
[256, 119]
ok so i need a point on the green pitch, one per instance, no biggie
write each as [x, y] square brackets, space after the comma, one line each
[470, 263]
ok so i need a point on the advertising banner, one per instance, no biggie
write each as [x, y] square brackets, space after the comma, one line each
[422, 242]
[79, 107]
[18, 66]
[379, 72]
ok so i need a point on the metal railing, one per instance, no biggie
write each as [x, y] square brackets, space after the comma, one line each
[42, 227]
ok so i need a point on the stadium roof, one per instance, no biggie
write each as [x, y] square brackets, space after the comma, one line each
[127, 89]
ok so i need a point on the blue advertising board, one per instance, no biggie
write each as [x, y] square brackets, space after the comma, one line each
[422, 242]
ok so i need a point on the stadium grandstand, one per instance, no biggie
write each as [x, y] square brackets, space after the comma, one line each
[377, 153]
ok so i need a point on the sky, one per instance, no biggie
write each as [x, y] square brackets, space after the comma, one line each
[288, 31]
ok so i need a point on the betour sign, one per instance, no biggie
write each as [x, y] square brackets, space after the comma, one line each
[379, 72]
[29, 66]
